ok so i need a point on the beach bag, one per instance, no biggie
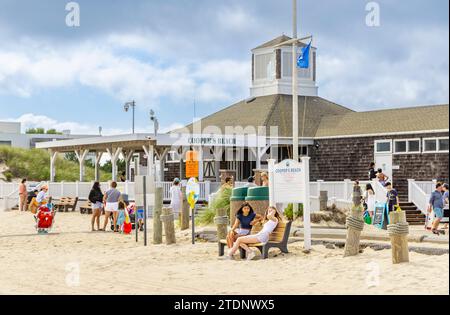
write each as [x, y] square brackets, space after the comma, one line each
[367, 218]
[127, 226]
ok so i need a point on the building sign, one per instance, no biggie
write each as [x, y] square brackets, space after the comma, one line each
[289, 183]
[192, 167]
[219, 140]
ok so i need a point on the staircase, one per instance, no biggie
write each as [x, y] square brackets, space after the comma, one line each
[413, 215]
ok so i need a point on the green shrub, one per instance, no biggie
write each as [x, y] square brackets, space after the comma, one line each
[222, 200]
[34, 165]
[290, 209]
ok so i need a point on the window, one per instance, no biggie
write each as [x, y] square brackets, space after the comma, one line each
[264, 67]
[6, 143]
[435, 145]
[407, 146]
[414, 146]
[383, 147]
[287, 67]
[443, 145]
[400, 147]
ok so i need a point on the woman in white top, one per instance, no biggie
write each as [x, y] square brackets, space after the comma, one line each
[271, 220]
[176, 196]
[370, 199]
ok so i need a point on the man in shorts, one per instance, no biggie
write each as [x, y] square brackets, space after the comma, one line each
[436, 205]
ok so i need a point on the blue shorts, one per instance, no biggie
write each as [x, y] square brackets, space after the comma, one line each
[140, 214]
[438, 213]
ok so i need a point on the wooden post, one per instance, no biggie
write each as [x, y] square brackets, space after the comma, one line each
[157, 224]
[355, 224]
[398, 231]
[184, 224]
[167, 218]
[221, 220]
[323, 201]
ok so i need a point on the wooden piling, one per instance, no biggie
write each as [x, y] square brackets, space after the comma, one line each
[398, 231]
[355, 225]
[157, 224]
[221, 221]
[167, 218]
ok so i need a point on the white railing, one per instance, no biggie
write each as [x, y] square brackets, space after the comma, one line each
[7, 188]
[418, 196]
[427, 186]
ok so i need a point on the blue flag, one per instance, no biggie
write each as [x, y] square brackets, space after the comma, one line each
[303, 59]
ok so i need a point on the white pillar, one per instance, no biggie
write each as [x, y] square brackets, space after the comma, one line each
[306, 205]
[114, 153]
[128, 155]
[271, 183]
[98, 157]
[53, 155]
[81, 156]
[200, 164]
[150, 152]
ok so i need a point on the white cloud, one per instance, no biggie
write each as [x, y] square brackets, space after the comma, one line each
[30, 120]
[31, 67]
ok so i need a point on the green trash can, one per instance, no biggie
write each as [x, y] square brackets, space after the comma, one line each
[236, 200]
[258, 198]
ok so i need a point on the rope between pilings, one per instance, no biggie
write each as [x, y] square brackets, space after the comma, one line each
[221, 220]
[355, 223]
[398, 229]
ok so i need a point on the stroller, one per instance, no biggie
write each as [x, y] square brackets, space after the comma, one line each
[45, 218]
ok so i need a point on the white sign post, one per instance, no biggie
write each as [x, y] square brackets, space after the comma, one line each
[289, 182]
[192, 195]
[144, 198]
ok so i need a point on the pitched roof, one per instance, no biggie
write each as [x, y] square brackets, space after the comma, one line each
[276, 41]
[273, 110]
[424, 118]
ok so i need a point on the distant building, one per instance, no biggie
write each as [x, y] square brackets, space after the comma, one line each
[11, 135]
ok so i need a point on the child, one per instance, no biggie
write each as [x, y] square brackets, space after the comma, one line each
[122, 214]
[392, 197]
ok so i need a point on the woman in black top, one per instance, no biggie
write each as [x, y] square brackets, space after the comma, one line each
[372, 172]
[96, 199]
[245, 219]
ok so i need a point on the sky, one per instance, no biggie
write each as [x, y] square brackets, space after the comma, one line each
[186, 58]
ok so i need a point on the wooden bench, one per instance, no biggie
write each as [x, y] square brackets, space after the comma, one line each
[86, 208]
[66, 203]
[278, 239]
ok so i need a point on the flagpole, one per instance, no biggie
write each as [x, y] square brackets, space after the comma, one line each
[294, 93]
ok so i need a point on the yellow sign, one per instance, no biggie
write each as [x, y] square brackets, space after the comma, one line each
[192, 168]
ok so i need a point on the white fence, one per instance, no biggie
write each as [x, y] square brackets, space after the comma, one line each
[419, 193]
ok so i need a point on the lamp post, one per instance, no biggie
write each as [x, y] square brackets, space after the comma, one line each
[294, 93]
[127, 106]
[155, 121]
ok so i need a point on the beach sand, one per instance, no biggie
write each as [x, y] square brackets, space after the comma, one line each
[73, 260]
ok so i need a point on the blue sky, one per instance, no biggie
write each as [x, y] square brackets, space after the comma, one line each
[167, 53]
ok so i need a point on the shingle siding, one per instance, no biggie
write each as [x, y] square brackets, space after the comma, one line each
[349, 158]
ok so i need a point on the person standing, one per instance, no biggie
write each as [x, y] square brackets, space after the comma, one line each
[264, 179]
[111, 198]
[392, 197]
[96, 199]
[436, 204]
[445, 197]
[23, 195]
[382, 178]
[372, 172]
[176, 196]
[250, 182]
[369, 197]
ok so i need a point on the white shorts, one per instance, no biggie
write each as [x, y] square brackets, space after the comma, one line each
[263, 237]
[98, 205]
[112, 206]
[242, 232]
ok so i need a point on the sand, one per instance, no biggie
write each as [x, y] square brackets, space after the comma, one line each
[76, 261]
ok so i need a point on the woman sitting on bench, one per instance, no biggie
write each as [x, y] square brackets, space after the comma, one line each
[245, 219]
[271, 220]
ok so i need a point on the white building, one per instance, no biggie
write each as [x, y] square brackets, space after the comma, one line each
[11, 135]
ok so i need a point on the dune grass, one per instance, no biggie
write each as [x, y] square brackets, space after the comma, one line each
[222, 200]
[34, 165]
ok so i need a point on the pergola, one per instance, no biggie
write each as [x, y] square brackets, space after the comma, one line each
[127, 145]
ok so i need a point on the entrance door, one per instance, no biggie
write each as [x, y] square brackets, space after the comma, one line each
[383, 157]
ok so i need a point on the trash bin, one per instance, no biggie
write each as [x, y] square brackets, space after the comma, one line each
[258, 198]
[236, 200]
